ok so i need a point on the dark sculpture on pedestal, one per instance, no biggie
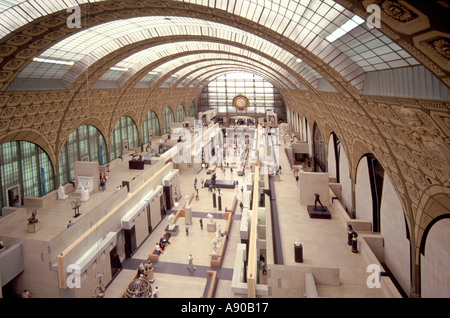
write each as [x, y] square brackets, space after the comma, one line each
[317, 201]
[317, 210]
[354, 242]
[32, 219]
[350, 234]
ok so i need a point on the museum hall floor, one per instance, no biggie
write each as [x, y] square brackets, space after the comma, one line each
[324, 244]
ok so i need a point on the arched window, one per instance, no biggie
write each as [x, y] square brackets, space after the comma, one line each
[192, 110]
[261, 94]
[25, 171]
[376, 175]
[181, 113]
[86, 143]
[334, 147]
[167, 119]
[125, 135]
[150, 126]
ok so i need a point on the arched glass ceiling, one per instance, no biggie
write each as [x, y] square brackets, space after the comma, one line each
[142, 59]
[218, 64]
[85, 47]
[188, 65]
[310, 23]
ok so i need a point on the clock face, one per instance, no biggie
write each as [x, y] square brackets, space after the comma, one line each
[240, 102]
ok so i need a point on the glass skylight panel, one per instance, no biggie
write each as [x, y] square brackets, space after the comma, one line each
[345, 28]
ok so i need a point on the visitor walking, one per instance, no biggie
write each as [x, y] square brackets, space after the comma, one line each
[191, 262]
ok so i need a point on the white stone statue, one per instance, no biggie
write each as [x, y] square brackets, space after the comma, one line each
[214, 242]
[84, 194]
[297, 242]
[210, 217]
[171, 221]
[84, 182]
[61, 193]
[219, 235]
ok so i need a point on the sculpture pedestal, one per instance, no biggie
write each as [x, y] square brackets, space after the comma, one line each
[188, 215]
[173, 231]
[84, 196]
[214, 256]
[211, 227]
[34, 227]
[150, 275]
[319, 213]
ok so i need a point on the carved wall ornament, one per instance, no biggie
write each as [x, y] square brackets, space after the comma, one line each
[435, 45]
[436, 145]
[398, 11]
[442, 46]
[400, 16]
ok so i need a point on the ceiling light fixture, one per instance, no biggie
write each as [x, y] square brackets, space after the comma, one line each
[118, 68]
[345, 28]
[299, 60]
[43, 60]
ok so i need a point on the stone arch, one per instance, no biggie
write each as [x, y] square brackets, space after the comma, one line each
[33, 136]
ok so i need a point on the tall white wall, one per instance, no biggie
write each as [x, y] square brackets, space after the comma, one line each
[393, 230]
[435, 273]
[363, 193]
[345, 180]
[331, 162]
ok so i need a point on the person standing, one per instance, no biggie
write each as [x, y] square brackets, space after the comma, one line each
[187, 230]
[103, 184]
[191, 262]
[16, 201]
[26, 294]
[201, 223]
[156, 292]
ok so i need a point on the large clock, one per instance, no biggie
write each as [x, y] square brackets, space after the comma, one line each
[240, 102]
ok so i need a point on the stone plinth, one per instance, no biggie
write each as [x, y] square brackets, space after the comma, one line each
[319, 213]
[34, 227]
[172, 230]
[211, 227]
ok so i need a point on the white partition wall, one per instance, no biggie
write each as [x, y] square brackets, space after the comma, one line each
[331, 162]
[435, 273]
[363, 194]
[345, 181]
[311, 183]
[393, 230]
[155, 206]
